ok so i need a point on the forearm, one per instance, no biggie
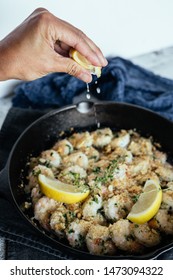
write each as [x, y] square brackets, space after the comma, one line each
[7, 62]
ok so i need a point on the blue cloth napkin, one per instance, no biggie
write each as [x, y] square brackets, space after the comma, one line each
[121, 81]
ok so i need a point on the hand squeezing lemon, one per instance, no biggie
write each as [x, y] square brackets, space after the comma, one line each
[82, 61]
[60, 191]
[148, 203]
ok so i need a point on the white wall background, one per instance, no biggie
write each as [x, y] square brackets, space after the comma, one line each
[123, 27]
[120, 27]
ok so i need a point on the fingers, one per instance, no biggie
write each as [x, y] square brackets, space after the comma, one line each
[67, 65]
[75, 38]
[61, 48]
[69, 36]
[89, 49]
[51, 39]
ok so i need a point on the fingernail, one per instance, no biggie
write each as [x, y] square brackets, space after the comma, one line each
[86, 77]
[104, 61]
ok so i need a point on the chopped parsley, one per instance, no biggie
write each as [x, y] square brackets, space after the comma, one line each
[95, 199]
[36, 172]
[135, 198]
[79, 184]
[129, 237]
[93, 157]
[108, 174]
[97, 169]
[71, 230]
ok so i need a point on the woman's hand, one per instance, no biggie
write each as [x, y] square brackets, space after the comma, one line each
[41, 44]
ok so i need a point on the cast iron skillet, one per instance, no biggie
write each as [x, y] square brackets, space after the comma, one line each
[43, 133]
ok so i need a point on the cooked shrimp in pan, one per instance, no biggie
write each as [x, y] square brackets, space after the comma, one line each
[113, 166]
[76, 232]
[50, 158]
[102, 137]
[81, 140]
[76, 158]
[70, 173]
[33, 175]
[63, 147]
[91, 207]
[99, 242]
[163, 221]
[146, 235]
[165, 172]
[58, 220]
[118, 206]
[123, 236]
[122, 140]
[44, 207]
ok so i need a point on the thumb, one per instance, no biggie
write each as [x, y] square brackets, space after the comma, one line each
[69, 66]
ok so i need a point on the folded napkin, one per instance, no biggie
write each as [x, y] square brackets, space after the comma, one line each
[121, 81]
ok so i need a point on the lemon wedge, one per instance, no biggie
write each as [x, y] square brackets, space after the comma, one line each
[148, 203]
[81, 60]
[61, 192]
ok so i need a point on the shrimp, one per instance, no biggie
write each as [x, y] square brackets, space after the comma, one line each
[70, 174]
[92, 154]
[77, 158]
[163, 221]
[134, 148]
[121, 141]
[33, 176]
[43, 209]
[58, 221]
[110, 170]
[102, 137]
[104, 174]
[146, 235]
[100, 165]
[80, 140]
[50, 157]
[141, 147]
[63, 147]
[118, 206]
[97, 170]
[134, 192]
[122, 235]
[126, 155]
[98, 241]
[170, 185]
[91, 206]
[73, 211]
[35, 194]
[76, 232]
[160, 157]
[139, 166]
[119, 173]
[165, 172]
[167, 198]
